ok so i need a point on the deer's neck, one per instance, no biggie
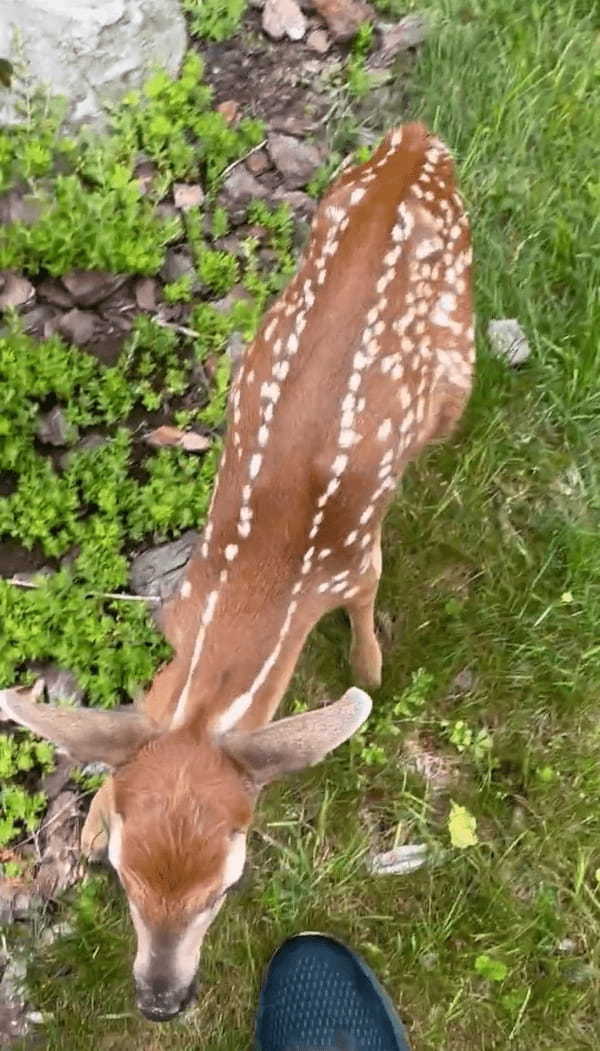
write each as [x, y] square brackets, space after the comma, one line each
[238, 628]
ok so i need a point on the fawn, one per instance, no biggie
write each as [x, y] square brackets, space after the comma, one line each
[365, 358]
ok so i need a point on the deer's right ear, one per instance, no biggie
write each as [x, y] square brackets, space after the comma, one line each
[86, 734]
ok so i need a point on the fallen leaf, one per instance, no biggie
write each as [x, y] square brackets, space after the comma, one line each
[462, 827]
[173, 436]
[229, 110]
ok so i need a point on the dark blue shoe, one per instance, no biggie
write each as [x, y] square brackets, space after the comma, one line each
[320, 996]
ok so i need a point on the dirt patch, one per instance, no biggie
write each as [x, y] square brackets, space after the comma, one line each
[282, 83]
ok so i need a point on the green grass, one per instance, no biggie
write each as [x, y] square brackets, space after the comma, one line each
[491, 564]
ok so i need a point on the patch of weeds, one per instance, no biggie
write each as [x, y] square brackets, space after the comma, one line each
[179, 291]
[219, 271]
[358, 80]
[214, 19]
[93, 212]
[20, 809]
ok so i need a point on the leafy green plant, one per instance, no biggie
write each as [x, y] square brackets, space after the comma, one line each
[214, 19]
[19, 809]
[218, 270]
[477, 743]
[179, 291]
[492, 970]
[358, 79]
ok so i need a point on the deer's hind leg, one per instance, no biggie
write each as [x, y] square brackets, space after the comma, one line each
[365, 652]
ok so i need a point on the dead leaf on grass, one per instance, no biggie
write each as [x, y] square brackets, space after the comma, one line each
[173, 436]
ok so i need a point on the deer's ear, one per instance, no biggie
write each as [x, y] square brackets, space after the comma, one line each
[86, 734]
[302, 740]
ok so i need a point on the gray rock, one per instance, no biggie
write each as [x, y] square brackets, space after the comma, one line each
[60, 864]
[178, 264]
[89, 52]
[508, 340]
[239, 188]
[157, 572]
[61, 684]
[54, 428]
[296, 160]
[16, 291]
[409, 32]
[187, 195]
[283, 18]
[53, 291]
[236, 348]
[145, 293]
[298, 201]
[78, 326]
[318, 41]
[90, 287]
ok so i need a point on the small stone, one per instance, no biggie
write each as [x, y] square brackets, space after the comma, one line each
[464, 681]
[145, 173]
[343, 17]
[508, 340]
[54, 428]
[229, 110]
[187, 195]
[283, 18]
[567, 945]
[157, 571]
[53, 291]
[409, 32]
[17, 291]
[297, 161]
[236, 348]
[258, 162]
[16, 207]
[300, 203]
[89, 287]
[318, 41]
[239, 188]
[235, 295]
[78, 326]
[145, 293]
[179, 263]
[399, 862]
[40, 319]
[60, 683]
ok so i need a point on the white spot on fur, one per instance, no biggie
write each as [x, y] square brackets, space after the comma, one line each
[186, 589]
[231, 551]
[385, 429]
[357, 195]
[255, 464]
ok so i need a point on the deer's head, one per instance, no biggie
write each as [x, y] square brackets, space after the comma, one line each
[178, 810]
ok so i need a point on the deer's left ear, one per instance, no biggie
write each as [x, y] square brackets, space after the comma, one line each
[86, 734]
[302, 740]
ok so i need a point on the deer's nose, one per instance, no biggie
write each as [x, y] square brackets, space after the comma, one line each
[159, 1003]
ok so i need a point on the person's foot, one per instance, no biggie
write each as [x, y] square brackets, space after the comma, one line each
[318, 995]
